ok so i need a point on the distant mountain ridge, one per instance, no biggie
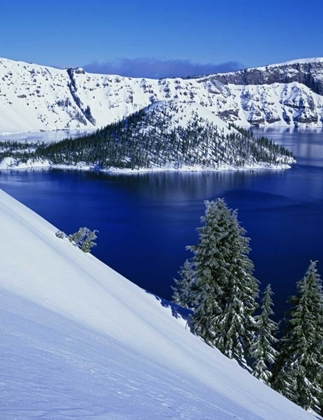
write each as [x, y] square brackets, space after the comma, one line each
[309, 73]
[34, 97]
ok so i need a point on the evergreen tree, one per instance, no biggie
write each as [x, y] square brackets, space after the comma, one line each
[223, 290]
[88, 243]
[262, 349]
[298, 372]
[83, 239]
[182, 288]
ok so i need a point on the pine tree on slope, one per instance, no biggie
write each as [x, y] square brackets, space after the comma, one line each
[297, 373]
[223, 292]
[182, 288]
[262, 349]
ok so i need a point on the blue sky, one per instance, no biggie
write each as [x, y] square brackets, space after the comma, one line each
[160, 38]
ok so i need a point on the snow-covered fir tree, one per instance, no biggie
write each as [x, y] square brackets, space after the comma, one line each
[83, 238]
[298, 371]
[223, 291]
[262, 349]
[182, 290]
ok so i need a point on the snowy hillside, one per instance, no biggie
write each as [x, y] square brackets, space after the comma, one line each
[79, 341]
[34, 97]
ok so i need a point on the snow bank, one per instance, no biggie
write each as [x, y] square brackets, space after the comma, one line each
[12, 163]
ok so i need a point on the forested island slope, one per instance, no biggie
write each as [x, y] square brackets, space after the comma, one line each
[168, 135]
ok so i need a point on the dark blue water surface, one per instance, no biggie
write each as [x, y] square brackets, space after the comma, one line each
[145, 221]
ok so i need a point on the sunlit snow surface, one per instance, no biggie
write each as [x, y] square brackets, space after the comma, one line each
[79, 341]
[43, 136]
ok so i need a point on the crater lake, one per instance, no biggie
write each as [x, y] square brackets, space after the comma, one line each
[146, 220]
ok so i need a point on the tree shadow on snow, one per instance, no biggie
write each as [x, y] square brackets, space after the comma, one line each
[176, 310]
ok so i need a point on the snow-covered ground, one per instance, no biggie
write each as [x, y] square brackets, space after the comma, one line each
[79, 341]
[43, 136]
[10, 163]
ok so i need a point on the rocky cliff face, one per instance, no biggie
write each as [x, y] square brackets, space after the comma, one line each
[298, 86]
[309, 73]
[34, 98]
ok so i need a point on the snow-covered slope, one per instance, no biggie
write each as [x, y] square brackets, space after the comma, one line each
[34, 97]
[79, 341]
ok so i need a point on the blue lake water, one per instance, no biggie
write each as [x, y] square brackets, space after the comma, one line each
[145, 221]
